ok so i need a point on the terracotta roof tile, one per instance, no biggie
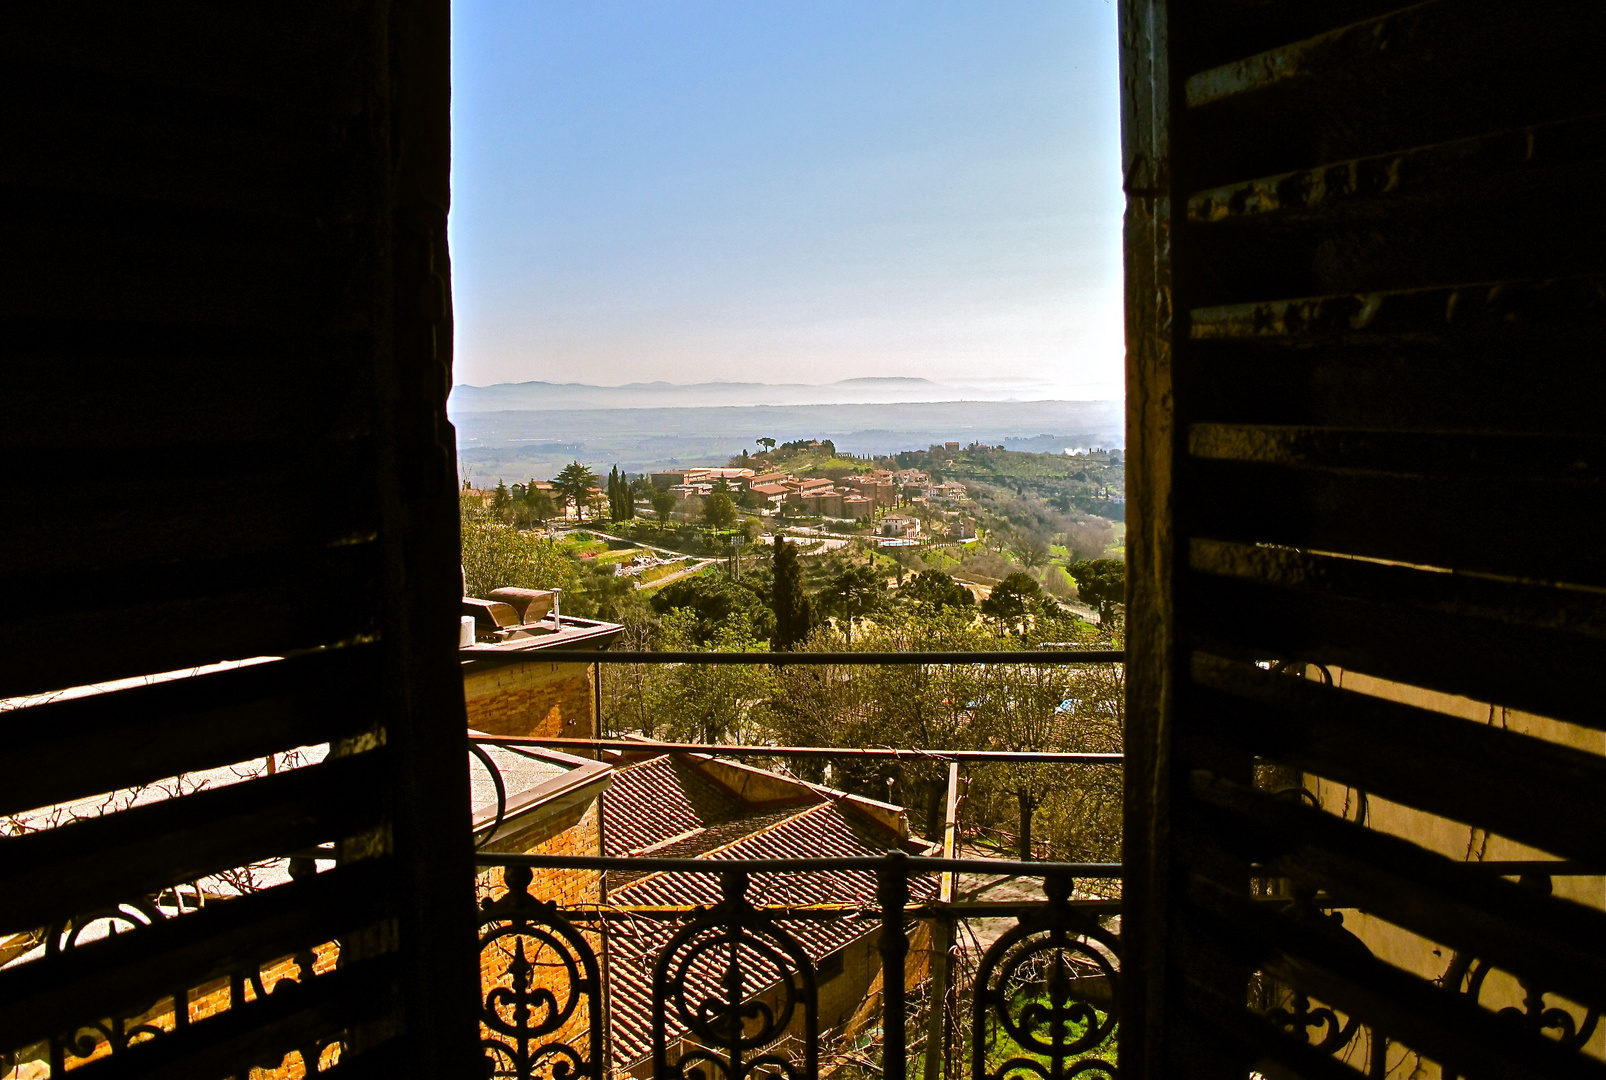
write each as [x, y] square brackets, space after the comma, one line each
[659, 800]
[823, 830]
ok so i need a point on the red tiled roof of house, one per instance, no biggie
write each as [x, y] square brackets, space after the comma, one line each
[659, 800]
[824, 828]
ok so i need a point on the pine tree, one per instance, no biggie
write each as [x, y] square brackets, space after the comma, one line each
[574, 483]
[794, 615]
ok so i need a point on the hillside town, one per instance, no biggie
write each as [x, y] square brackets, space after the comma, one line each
[871, 496]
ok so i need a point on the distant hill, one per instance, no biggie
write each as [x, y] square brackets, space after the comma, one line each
[502, 397]
[521, 443]
[883, 380]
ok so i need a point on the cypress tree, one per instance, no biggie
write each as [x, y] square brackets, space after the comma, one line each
[627, 499]
[794, 614]
[620, 504]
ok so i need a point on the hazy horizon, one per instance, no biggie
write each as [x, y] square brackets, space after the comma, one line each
[717, 191]
[543, 395]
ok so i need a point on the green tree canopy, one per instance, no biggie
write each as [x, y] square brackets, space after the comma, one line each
[496, 556]
[933, 589]
[794, 614]
[719, 511]
[854, 593]
[574, 484]
[925, 705]
[1012, 599]
[604, 593]
[709, 702]
[536, 509]
[1033, 549]
[621, 502]
[715, 600]
[663, 504]
[1102, 583]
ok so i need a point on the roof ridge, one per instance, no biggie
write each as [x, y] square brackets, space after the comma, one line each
[651, 874]
[638, 764]
[660, 845]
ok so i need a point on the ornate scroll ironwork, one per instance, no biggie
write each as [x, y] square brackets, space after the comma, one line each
[125, 1029]
[1318, 1025]
[537, 971]
[1467, 974]
[169, 1010]
[736, 983]
[1049, 987]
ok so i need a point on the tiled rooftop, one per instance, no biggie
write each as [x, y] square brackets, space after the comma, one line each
[669, 802]
[661, 800]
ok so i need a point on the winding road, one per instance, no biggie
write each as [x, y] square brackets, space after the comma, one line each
[667, 578]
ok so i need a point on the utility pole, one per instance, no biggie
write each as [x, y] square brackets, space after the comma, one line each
[736, 556]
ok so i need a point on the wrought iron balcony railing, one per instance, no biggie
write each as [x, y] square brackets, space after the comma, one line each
[734, 992]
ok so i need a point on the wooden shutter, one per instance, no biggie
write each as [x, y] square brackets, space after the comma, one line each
[226, 314]
[1365, 312]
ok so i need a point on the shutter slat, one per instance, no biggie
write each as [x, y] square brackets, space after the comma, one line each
[144, 734]
[201, 387]
[1500, 780]
[1365, 225]
[1429, 73]
[89, 256]
[1509, 643]
[1364, 319]
[263, 1030]
[1426, 518]
[256, 499]
[1559, 944]
[95, 863]
[97, 978]
[179, 615]
[226, 305]
[1444, 1026]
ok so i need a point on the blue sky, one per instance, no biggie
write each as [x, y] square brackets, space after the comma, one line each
[787, 191]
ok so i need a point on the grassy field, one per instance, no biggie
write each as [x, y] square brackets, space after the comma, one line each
[1117, 550]
[658, 573]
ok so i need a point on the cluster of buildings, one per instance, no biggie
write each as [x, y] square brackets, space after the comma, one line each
[698, 482]
[862, 497]
[855, 498]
